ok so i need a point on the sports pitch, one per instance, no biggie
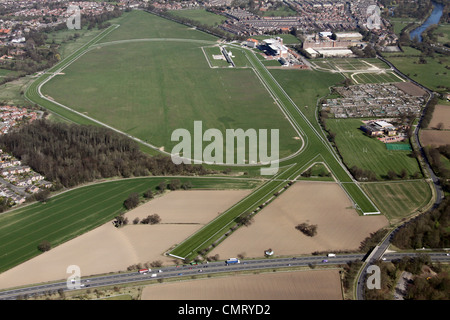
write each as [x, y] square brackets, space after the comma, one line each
[365, 152]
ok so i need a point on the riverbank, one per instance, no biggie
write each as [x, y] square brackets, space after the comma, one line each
[433, 18]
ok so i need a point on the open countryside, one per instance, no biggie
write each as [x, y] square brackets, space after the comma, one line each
[339, 189]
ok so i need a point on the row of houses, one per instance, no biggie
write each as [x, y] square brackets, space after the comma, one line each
[8, 193]
[11, 116]
[17, 180]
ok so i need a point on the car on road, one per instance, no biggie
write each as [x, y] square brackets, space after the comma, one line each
[324, 260]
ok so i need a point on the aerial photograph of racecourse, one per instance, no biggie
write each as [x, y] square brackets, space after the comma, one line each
[224, 150]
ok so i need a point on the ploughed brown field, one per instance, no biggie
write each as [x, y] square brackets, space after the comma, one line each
[441, 114]
[110, 249]
[324, 204]
[434, 137]
[295, 285]
[410, 88]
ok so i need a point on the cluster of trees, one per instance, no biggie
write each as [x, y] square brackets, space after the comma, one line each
[100, 21]
[351, 271]
[412, 9]
[430, 288]
[323, 173]
[308, 229]
[429, 282]
[245, 219]
[428, 114]
[367, 52]
[44, 245]
[435, 155]
[5, 203]
[362, 174]
[70, 154]
[147, 265]
[120, 221]
[430, 230]
[36, 55]
[132, 201]
[150, 219]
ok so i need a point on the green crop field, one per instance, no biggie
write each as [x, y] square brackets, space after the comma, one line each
[398, 200]
[75, 212]
[368, 153]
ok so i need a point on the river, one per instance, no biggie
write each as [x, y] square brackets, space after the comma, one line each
[432, 19]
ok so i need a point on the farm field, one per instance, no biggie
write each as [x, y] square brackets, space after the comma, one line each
[110, 249]
[441, 114]
[398, 200]
[75, 212]
[368, 153]
[434, 137]
[296, 285]
[324, 204]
